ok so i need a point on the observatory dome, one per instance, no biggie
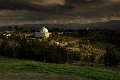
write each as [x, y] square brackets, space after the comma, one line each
[44, 30]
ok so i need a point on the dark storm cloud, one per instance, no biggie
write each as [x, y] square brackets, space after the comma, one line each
[38, 4]
[82, 1]
[86, 8]
[30, 4]
[89, 3]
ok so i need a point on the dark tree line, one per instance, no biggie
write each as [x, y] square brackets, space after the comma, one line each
[34, 50]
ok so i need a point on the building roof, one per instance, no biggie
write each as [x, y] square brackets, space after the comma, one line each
[44, 30]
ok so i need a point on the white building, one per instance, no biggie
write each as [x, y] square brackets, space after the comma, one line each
[43, 33]
[7, 35]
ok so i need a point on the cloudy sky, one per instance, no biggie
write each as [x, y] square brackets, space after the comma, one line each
[58, 9]
[36, 4]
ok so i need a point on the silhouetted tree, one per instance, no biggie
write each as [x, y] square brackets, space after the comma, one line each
[111, 58]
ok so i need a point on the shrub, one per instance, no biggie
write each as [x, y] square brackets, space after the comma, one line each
[56, 54]
[21, 48]
[76, 56]
[6, 49]
[41, 51]
[111, 58]
[89, 53]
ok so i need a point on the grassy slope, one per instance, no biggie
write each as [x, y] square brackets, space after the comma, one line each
[23, 67]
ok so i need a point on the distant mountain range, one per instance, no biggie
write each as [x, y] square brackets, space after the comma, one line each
[113, 24]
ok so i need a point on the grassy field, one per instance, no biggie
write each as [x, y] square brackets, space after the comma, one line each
[15, 69]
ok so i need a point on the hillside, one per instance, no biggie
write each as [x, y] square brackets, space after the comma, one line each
[113, 24]
[32, 70]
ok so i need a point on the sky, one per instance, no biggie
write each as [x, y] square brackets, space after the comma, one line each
[58, 9]
[36, 4]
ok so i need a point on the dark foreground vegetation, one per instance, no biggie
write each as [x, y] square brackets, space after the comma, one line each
[75, 46]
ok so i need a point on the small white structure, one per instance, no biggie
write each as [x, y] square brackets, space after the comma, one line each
[7, 35]
[43, 33]
[87, 28]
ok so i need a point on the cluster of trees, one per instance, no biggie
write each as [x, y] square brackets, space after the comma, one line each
[89, 54]
[34, 50]
[107, 36]
[18, 46]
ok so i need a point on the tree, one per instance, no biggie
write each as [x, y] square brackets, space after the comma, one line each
[9, 28]
[6, 49]
[111, 58]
